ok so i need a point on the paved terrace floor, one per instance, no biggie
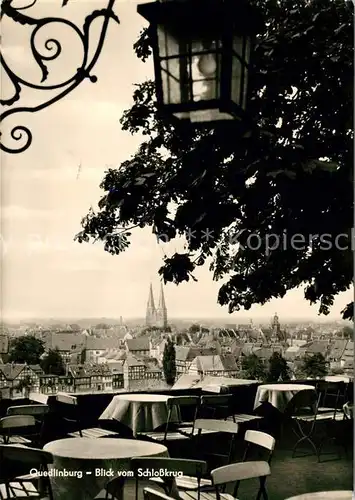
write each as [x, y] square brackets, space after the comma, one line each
[291, 476]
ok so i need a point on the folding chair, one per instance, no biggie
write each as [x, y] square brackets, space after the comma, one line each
[18, 429]
[203, 427]
[261, 440]
[234, 473]
[243, 418]
[75, 419]
[13, 459]
[175, 430]
[215, 406]
[196, 469]
[302, 411]
[38, 411]
[332, 398]
[171, 467]
[338, 430]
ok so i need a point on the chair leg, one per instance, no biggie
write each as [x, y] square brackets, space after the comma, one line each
[303, 437]
[262, 490]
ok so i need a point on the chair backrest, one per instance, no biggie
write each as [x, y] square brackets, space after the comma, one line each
[222, 426]
[261, 439]
[66, 399]
[13, 455]
[177, 402]
[15, 421]
[210, 424]
[183, 401]
[348, 411]
[215, 403]
[306, 399]
[25, 454]
[239, 471]
[150, 494]
[35, 410]
[332, 393]
[216, 399]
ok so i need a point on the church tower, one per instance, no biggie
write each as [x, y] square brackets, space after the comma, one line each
[275, 325]
[162, 314]
[150, 317]
[156, 316]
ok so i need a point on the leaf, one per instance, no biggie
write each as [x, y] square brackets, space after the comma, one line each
[315, 17]
[340, 28]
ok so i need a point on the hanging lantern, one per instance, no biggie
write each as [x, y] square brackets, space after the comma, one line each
[202, 51]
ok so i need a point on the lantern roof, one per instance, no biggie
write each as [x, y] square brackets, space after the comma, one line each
[211, 15]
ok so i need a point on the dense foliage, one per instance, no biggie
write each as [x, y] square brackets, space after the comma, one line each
[26, 349]
[234, 197]
[52, 363]
[169, 362]
[278, 368]
[314, 366]
[253, 367]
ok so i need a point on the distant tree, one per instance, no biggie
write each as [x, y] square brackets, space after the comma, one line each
[254, 367]
[52, 363]
[151, 329]
[278, 368]
[26, 349]
[83, 356]
[102, 326]
[314, 366]
[169, 362]
[194, 328]
[348, 332]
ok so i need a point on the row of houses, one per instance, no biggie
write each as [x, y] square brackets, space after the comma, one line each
[339, 352]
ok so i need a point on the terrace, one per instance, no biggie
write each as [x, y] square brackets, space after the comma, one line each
[289, 476]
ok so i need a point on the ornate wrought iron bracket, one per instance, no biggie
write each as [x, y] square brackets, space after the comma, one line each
[20, 133]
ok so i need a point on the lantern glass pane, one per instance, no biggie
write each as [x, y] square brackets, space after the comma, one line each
[173, 68]
[168, 44]
[205, 69]
[240, 59]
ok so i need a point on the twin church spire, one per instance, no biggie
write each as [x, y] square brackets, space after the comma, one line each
[156, 316]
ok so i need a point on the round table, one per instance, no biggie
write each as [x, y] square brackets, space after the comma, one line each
[140, 412]
[278, 395]
[325, 495]
[83, 466]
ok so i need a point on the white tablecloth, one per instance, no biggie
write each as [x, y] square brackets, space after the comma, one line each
[278, 395]
[88, 460]
[140, 412]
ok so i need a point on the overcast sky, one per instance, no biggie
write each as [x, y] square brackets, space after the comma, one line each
[45, 193]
